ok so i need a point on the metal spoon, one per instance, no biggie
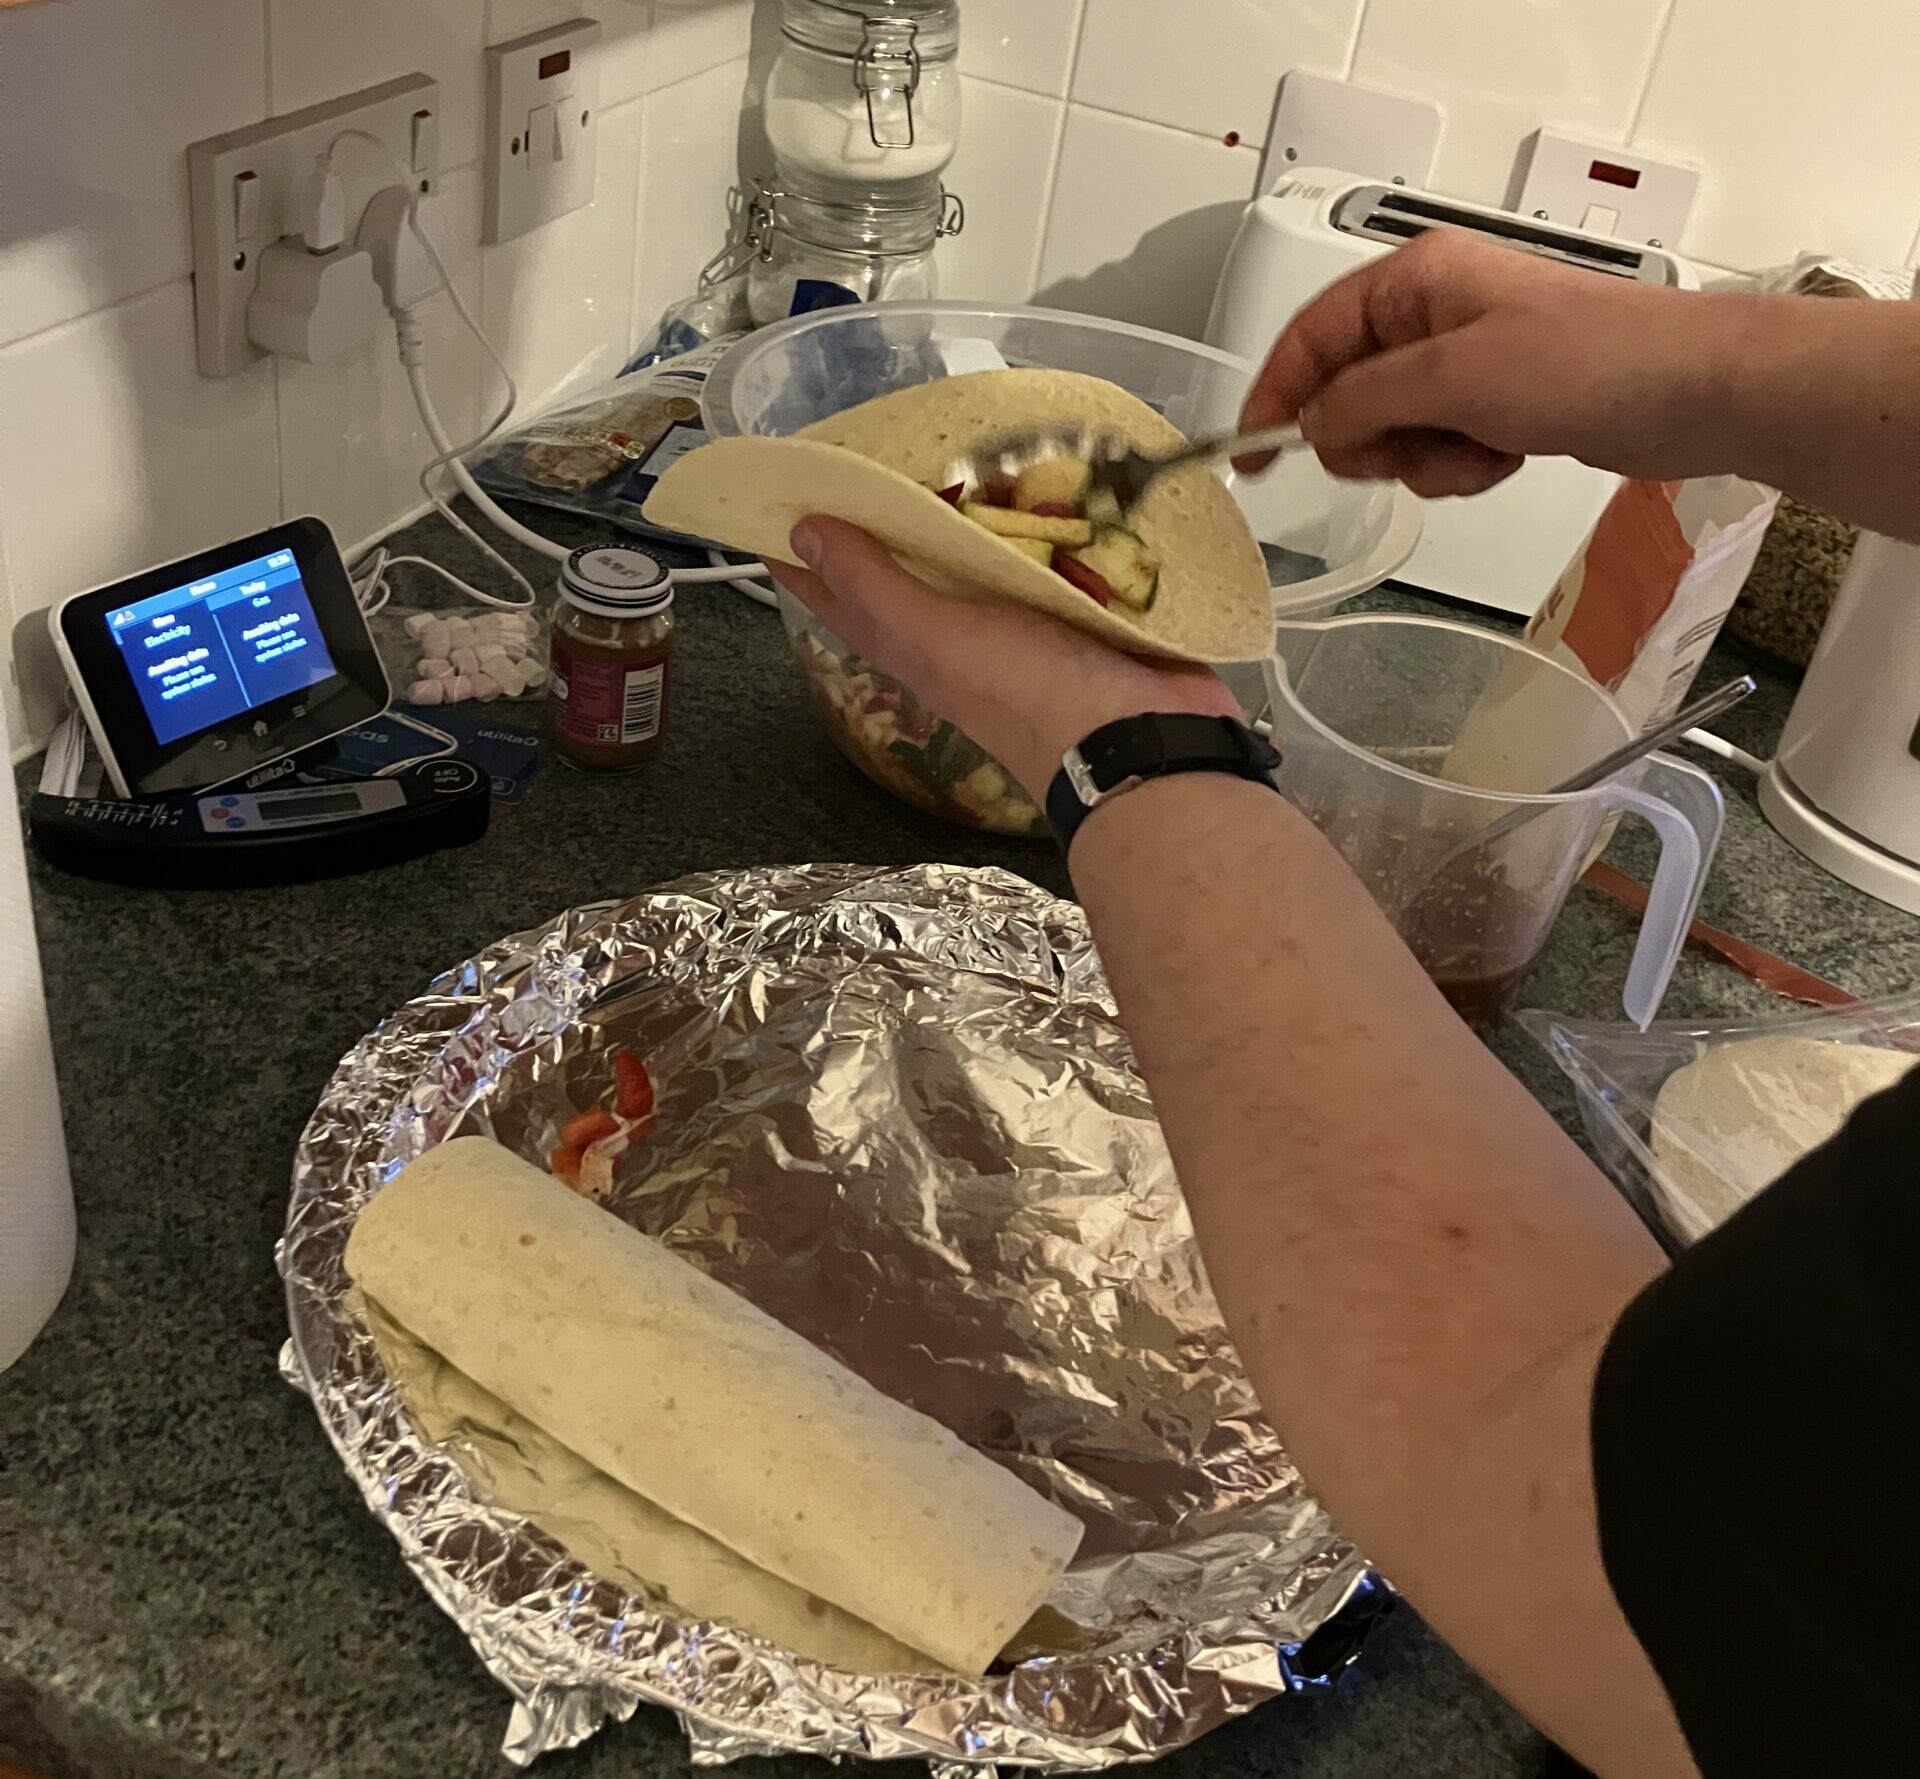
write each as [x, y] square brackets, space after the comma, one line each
[1118, 469]
[1701, 710]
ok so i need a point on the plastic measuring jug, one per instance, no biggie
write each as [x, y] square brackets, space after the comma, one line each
[1402, 737]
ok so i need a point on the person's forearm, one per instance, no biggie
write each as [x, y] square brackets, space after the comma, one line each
[1820, 397]
[1407, 1249]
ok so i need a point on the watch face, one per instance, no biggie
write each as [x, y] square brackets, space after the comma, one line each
[204, 669]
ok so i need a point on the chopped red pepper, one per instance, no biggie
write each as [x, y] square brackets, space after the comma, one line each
[632, 1085]
[995, 491]
[585, 1128]
[952, 496]
[1077, 574]
[564, 1163]
[1055, 509]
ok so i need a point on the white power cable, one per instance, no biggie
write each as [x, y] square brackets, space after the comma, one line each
[1737, 756]
[447, 744]
[737, 573]
[411, 332]
[412, 339]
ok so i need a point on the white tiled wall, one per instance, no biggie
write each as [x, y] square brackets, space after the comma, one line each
[114, 451]
[1148, 115]
[1107, 149]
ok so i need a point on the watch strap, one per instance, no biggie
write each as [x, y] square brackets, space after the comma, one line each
[1119, 756]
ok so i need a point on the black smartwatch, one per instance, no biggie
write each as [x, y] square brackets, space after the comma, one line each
[1118, 756]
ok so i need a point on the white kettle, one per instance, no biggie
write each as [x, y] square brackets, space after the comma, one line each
[1844, 787]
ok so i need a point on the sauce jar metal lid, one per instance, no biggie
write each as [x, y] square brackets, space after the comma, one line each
[616, 582]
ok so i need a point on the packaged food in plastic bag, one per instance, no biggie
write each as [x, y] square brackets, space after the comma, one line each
[601, 453]
[1642, 602]
[1693, 1120]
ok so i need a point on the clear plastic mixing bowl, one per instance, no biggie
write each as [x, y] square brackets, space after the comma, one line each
[1325, 541]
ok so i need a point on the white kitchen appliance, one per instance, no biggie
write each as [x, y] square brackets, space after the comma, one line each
[1505, 549]
[1844, 787]
[36, 1195]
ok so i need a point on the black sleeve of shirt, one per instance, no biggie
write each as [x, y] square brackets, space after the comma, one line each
[1758, 1472]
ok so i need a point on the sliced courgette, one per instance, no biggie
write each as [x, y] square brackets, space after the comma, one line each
[1036, 547]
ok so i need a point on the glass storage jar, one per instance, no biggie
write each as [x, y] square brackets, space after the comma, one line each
[810, 251]
[865, 93]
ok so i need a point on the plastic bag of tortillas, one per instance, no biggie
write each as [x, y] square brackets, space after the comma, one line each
[1692, 1120]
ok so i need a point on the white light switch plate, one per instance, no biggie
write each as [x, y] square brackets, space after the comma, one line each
[543, 94]
[243, 187]
[1319, 121]
[1603, 189]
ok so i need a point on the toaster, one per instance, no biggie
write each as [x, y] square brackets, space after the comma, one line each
[1507, 549]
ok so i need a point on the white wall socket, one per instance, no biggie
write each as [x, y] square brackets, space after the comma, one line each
[243, 187]
[1319, 121]
[543, 96]
[1601, 188]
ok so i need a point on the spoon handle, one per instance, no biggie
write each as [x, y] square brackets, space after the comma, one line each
[1701, 710]
[1234, 444]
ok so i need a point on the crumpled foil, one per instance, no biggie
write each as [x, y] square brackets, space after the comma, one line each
[896, 1111]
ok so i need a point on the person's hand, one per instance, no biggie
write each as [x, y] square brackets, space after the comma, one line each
[1026, 687]
[1446, 363]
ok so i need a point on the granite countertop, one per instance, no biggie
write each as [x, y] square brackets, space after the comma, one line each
[188, 1584]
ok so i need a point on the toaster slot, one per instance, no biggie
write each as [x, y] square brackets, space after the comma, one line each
[1387, 213]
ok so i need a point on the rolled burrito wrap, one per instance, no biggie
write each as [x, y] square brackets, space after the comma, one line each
[687, 1394]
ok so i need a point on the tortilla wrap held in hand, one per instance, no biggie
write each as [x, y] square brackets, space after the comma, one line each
[878, 466]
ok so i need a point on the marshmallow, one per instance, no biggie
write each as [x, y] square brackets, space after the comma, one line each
[465, 661]
[485, 687]
[459, 688]
[436, 639]
[419, 622]
[435, 667]
[427, 691]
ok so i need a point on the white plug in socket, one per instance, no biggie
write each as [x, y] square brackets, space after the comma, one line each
[402, 267]
[542, 105]
[249, 187]
[314, 306]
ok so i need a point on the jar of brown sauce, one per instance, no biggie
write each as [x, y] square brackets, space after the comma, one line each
[612, 650]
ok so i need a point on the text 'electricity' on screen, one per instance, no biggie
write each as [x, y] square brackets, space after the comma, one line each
[232, 642]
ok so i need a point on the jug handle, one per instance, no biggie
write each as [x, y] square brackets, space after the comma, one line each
[1684, 808]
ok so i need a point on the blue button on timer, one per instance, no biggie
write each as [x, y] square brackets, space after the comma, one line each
[236, 821]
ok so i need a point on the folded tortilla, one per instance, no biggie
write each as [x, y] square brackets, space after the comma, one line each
[619, 1535]
[877, 466]
[1729, 1125]
[689, 1396]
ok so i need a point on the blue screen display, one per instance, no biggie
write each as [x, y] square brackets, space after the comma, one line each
[238, 639]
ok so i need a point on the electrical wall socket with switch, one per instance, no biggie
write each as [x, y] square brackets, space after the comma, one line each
[247, 187]
[543, 95]
[1603, 189]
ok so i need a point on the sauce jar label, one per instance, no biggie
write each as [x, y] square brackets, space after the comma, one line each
[606, 703]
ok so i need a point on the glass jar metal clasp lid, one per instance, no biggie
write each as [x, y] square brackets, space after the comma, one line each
[886, 72]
